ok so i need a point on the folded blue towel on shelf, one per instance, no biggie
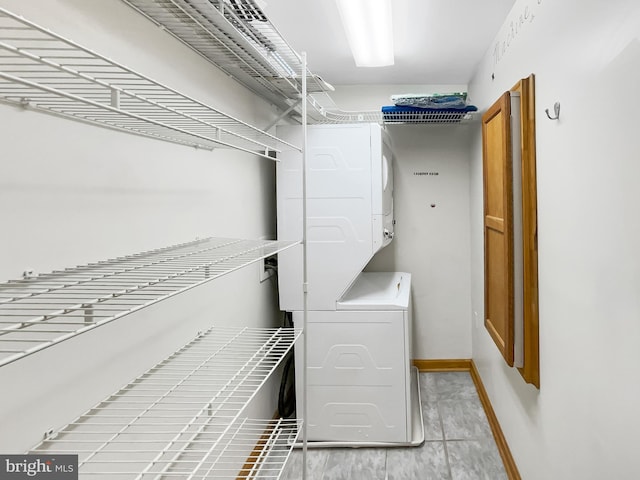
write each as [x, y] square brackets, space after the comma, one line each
[405, 109]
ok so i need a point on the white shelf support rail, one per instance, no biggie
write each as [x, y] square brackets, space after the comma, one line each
[44, 310]
[48, 72]
[161, 425]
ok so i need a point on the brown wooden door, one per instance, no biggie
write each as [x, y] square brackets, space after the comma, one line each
[498, 225]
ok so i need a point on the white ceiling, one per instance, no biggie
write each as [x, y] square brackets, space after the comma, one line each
[435, 41]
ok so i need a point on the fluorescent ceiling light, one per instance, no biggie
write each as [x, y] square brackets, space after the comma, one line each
[368, 26]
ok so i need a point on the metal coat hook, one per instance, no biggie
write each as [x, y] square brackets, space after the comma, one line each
[556, 110]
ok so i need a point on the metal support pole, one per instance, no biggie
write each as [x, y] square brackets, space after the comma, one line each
[304, 265]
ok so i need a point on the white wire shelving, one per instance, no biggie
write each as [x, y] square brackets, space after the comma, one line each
[242, 41]
[413, 117]
[41, 311]
[182, 419]
[239, 39]
[45, 71]
[324, 110]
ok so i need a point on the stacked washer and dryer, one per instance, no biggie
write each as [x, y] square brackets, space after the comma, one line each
[361, 388]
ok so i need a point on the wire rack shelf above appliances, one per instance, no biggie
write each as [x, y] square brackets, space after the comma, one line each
[181, 419]
[434, 117]
[45, 71]
[41, 311]
[247, 47]
[251, 50]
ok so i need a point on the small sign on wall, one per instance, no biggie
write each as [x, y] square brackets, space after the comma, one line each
[426, 174]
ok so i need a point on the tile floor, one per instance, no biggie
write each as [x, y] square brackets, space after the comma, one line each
[458, 443]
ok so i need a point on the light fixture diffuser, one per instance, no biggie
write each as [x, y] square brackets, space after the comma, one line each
[368, 26]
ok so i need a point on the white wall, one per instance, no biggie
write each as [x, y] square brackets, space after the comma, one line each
[431, 243]
[582, 422]
[431, 202]
[72, 193]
